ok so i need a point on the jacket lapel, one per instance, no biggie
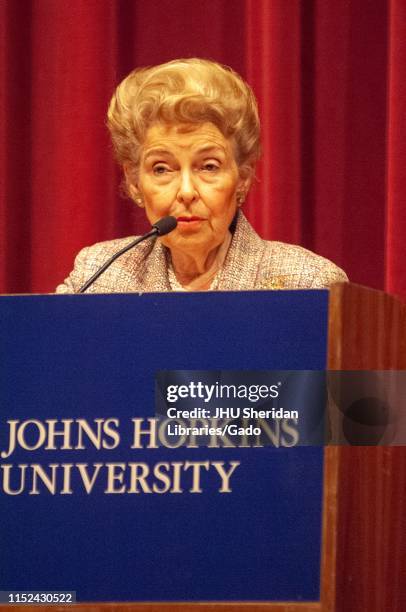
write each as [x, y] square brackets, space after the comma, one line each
[242, 266]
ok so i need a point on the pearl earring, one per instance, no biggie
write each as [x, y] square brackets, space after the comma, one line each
[240, 198]
[137, 197]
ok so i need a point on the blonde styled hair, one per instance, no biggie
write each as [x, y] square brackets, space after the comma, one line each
[184, 91]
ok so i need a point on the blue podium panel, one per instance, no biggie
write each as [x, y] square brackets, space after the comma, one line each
[93, 500]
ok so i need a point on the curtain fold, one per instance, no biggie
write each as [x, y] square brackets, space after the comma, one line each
[395, 279]
[273, 58]
[329, 80]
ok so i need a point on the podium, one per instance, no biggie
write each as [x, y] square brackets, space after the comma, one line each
[107, 507]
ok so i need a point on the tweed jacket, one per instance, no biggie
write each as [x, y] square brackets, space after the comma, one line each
[251, 263]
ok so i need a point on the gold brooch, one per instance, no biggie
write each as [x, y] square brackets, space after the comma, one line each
[275, 282]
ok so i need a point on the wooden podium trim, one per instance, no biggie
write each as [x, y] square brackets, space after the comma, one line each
[369, 538]
[329, 533]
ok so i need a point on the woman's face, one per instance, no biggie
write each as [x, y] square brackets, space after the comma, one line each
[189, 172]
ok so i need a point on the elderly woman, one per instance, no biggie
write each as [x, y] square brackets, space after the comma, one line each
[186, 134]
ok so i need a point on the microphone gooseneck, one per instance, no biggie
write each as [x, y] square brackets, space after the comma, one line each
[160, 228]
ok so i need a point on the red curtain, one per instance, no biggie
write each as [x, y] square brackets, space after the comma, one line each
[329, 80]
[396, 184]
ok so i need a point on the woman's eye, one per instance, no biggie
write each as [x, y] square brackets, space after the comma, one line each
[160, 169]
[210, 167]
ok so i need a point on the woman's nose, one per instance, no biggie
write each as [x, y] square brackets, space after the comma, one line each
[187, 192]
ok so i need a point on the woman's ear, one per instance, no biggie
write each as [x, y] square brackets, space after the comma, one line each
[247, 173]
[130, 174]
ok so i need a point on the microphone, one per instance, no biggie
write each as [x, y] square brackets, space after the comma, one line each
[159, 228]
[165, 225]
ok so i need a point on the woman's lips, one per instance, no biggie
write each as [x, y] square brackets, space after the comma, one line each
[191, 223]
[188, 219]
